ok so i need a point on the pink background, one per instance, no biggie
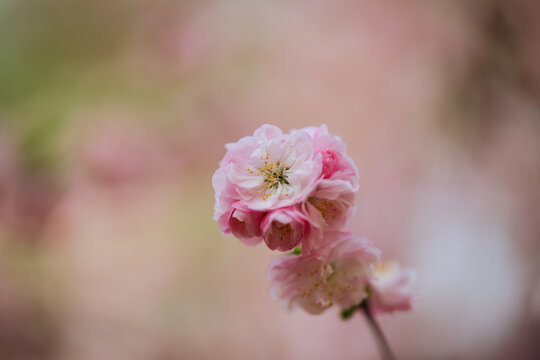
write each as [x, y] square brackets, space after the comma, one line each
[113, 118]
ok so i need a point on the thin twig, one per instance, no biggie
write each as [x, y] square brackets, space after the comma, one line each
[382, 344]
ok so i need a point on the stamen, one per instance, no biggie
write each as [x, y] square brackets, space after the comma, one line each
[273, 175]
[326, 207]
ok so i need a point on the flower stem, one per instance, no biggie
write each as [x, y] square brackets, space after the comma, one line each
[382, 344]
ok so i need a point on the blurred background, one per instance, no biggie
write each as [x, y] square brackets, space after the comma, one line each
[113, 118]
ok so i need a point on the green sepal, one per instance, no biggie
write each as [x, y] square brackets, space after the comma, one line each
[348, 313]
[296, 251]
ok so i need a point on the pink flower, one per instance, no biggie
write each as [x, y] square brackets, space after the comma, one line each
[337, 274]
[336, 164]
[270, 170]
[241, 222]
[332, 205]
[285, 228]
[225, 198]
[391, 288]
[303, 182]
[245, 225]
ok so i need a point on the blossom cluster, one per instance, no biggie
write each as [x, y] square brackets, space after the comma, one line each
[297, 191]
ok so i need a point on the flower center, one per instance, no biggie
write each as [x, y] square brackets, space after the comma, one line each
[328, 272]
[284, 230]
[330, 284]
[273, 176]
[326, 207]
[382, 268]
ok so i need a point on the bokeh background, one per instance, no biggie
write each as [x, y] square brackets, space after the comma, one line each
[113, 117]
